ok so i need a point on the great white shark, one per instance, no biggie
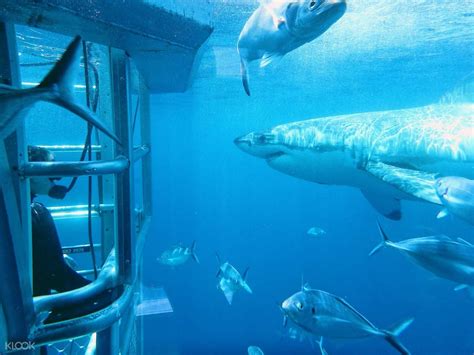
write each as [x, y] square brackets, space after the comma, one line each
[388, 155]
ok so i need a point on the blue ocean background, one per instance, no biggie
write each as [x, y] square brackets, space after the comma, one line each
[379, 56]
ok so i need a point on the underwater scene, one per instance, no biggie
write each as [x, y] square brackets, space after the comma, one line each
[250, 210]
[312, 178]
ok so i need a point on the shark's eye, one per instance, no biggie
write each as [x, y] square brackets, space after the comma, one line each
[314, 3]
[313, 310]
[299, 305]
[261, 139]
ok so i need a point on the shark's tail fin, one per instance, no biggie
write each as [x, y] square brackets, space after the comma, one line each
[193, 253]
[382, 243]
[245, 76]
[60, 83]
[392, 334]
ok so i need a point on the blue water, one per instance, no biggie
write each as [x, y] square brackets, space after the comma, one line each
[379, 56]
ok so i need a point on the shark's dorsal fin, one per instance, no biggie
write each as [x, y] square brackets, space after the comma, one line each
[413, 182]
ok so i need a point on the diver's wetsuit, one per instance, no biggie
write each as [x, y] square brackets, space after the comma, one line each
[50, 271]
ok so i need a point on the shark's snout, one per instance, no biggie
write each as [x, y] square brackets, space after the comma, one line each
[262, 145]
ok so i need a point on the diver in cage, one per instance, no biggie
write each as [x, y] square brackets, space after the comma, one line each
[50, 270]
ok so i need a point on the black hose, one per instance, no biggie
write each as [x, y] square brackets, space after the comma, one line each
[88, 147]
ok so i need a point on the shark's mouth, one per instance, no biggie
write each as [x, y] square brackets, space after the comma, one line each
[273, 156]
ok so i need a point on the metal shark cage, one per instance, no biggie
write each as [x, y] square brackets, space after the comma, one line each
[133, 51]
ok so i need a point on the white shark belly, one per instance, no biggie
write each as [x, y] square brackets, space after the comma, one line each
[332, 168]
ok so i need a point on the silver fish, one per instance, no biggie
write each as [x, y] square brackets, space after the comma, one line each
[457, 195]
[446, 258]
[280, 26]
[230, 280]
[316, 232]
[56, 87]
[254, 350]
[178, 255]
[323, 314]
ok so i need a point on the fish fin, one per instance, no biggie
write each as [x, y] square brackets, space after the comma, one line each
[467, 289]
[229, 295]
[245, 76]
[193, 253]
[443, 213]
[218, 272]
[384, 241]
[60, 82]
[399, 327]
[460, 287]
[460, 240]
[244, 275]
[320, 344]
[269, 58]
[413, 182]
[368, 324]
[246, 287]
[392, 334]
[387, 206]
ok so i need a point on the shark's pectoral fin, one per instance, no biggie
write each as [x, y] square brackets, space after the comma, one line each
[413, 182]
[387, 206]
[269, 58]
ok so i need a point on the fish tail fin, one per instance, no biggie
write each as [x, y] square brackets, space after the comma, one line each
[244, 279]
[60, 82]
[245, 76]
[193, 253]
[244, 275]
[392, 334]
[219, 262]
[321, 349]
[384, 241]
